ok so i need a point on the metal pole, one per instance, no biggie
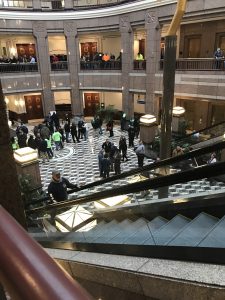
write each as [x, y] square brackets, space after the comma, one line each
[168, 96]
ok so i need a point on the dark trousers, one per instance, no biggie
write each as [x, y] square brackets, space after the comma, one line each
[140, 160]
[50, 153]
[75, 136]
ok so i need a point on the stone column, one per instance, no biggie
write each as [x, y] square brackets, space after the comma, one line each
[153, 36]
[73, 59]
[127, 41]
[68, 4]
[40, 32]
[37, 4]
[10, 194]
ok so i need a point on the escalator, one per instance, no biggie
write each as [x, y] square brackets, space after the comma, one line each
[179, 226]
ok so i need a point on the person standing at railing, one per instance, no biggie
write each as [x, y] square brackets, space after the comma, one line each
[58, 187]
[139, 56]
[32, 60]
[140, 152]
[218, 54]
[139, 59]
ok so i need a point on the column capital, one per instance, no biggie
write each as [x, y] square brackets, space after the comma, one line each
[70, 28]
[39, 29]
[151, 20]
[125, 24]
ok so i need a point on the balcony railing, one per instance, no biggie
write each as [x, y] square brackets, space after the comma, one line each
[100, 65]
[59, 66]
[198, 64]
[24, 67]
[139, 64]
[12, 4]
[96, 3]
[52, 5]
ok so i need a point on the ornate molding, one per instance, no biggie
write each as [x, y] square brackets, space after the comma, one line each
[87, 14]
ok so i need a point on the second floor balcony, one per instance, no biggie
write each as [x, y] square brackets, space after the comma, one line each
[18, 67]
[198, 64]
[19, 4]
[100, 65]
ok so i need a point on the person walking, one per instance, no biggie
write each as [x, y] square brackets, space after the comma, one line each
[57, 138]
[140, 151]
[117, 162]
[100, 158]
[73, 130]
[105, 166]
[131, 134]
[123, 147]
[67, 131]
[43, 150]
[49, 147]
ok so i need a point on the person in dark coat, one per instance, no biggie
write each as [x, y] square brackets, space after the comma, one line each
[109, 127]
[67, 131]
[58, 187]
[22, 139]
[43, 150]
[106, 146]
[123, 147]
[100, 158]
[73, 130]
[106, 166]
[131, 134]
[117, 162]
[32, 142]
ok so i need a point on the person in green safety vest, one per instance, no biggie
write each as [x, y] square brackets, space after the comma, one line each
[57, 138]
[14, 144]
[139, 56]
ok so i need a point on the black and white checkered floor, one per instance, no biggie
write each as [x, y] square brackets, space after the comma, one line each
[79, 163]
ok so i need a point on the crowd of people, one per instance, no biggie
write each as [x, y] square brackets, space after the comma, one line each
[18, 60]
[50, 137]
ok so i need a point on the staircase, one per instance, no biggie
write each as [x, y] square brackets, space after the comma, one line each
[203, 231]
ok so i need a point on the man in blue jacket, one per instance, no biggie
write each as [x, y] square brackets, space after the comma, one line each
[58, 187]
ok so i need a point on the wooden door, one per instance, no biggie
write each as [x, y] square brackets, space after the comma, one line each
[92, 103]
[192, 47]
[142, 47]
[34, 107]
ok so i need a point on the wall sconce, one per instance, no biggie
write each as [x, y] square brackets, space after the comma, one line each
[16, 102]
[140, 100]
[121, 50]
[6, 100]
[178, 111]
[21, 102]
[13, 51]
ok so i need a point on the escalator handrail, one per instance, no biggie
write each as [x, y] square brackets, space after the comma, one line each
[166, 162]
[164, 181]
[198, 131]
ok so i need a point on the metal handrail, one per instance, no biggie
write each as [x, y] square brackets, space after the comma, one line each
[206, 171]
[27, 271]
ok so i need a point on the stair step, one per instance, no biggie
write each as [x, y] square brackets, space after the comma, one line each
[193, 233]
[216, 237]
[145, 231]
[112, 232]
[128, 231]
[164, 234]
